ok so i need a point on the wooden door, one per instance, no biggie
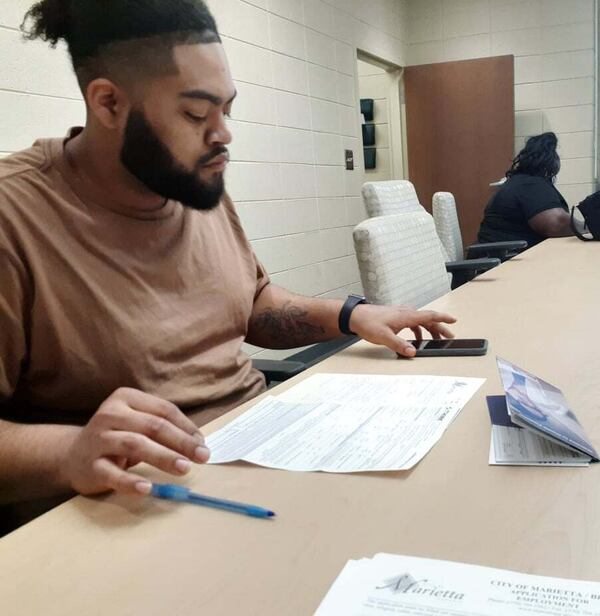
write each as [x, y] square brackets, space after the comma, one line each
[460, 131]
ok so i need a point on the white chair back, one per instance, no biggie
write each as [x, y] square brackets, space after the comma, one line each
[400, 259]
[391, 197]
[447, 226]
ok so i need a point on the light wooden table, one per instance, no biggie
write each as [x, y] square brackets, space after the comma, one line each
[123, 556]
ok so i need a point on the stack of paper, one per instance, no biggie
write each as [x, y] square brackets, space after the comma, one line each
[391, 584]
[345, 423]
[532, 424]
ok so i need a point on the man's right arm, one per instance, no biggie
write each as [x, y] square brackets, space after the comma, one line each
[31, 459]
[37, 461]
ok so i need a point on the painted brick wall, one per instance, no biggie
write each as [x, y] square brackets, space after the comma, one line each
[553, 42]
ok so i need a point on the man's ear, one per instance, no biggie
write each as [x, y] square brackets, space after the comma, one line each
[109, 103]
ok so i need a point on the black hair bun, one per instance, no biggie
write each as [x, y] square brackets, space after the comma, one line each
[49, 20]
[550, 139]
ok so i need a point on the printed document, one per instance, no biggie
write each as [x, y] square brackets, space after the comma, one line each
[343, 423]
[532, 424]
[513, 445]
[391, 584]
[538, 406]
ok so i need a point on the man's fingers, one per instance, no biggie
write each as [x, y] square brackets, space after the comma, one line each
[160, 430]
[147, 403]
[418, 332]
[132, 445]
[431, 317]
[444, 317]
[433, 322]
[441, 330]
[398, 345]
[115, 478]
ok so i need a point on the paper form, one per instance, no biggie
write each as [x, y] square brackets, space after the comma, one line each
[392, 584]
[382, 389]
[517, 446]
[345, 423]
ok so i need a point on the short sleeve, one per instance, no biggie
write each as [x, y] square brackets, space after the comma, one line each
[538, 195]
[262, 278]
[12, 321]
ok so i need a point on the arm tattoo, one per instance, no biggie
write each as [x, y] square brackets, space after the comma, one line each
[288, 326]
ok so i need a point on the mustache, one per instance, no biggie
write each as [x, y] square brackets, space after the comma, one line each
[208, 157]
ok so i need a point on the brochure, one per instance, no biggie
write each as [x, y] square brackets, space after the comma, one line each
[513, 445]
[541, 410]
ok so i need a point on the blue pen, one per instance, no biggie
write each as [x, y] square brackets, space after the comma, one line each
[173, 492]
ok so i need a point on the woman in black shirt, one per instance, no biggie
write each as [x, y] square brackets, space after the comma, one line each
[528, 206]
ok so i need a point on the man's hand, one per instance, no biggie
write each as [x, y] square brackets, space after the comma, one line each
[381, 324]
[130, 427]
[280, 320]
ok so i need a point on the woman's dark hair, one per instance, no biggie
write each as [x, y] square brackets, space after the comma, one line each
[102, 34]
[538, 157]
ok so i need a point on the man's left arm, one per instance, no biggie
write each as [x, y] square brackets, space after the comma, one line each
[281, 319]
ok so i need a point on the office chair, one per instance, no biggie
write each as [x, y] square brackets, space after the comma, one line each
[398, 197]
[391, 197]
[401, 260]
[276, 370]
[448, 230]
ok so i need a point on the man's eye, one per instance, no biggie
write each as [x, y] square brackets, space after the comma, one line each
[194, 118]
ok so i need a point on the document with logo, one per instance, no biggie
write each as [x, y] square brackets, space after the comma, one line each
[392, 584]
[343, 423]
[513, 445]
[535, 424]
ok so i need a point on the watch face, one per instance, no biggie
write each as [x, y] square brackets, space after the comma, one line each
[357, 296]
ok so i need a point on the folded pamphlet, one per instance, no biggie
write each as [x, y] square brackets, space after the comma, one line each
[532, 423]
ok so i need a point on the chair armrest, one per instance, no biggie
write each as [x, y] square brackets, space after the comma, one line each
[472, 265]
[463, 271]
[322, 350]
[284, 369]
[278, 370]
[502, 250]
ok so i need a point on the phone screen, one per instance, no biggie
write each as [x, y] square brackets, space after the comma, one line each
[457, 343]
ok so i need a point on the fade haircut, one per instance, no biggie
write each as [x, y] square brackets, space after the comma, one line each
[122, 40]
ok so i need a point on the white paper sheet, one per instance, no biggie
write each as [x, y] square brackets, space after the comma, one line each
[520, 447]
[385, 390]
[345, 423]
[391, 584]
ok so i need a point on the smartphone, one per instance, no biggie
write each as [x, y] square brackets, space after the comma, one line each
[455, 346]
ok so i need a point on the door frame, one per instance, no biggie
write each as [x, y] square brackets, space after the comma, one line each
[396, 117]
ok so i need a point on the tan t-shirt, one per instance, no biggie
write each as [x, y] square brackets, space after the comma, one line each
[92, 300]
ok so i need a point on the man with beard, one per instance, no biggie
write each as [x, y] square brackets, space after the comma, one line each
[127, 286]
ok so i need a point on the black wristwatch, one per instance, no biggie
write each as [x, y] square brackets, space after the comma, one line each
[349, 305]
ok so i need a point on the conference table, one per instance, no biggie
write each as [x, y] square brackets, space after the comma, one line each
[131, 556]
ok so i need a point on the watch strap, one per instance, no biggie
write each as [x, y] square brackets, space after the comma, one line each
[344, 316]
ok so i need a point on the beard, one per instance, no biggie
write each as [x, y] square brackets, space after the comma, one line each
[148, 159]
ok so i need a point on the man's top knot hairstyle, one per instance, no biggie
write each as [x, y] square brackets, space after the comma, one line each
[51, 21]
[94, 29]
